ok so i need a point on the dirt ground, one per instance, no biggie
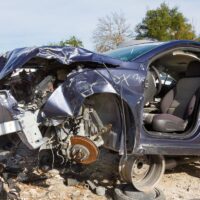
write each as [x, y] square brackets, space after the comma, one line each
[181, 183]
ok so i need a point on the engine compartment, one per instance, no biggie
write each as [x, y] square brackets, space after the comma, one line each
[33, 86]
[74, 139]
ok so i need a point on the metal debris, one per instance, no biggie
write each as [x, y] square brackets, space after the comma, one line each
[99, 190]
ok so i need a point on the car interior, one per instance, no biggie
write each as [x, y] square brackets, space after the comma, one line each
[172, 93]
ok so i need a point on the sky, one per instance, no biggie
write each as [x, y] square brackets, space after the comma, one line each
[40, 22]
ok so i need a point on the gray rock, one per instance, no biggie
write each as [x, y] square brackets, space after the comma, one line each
[72, 181]
[101, 191]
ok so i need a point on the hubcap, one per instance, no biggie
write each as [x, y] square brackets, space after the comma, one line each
[140, 168]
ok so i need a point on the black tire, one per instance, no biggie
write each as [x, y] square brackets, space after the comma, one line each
[127, 192]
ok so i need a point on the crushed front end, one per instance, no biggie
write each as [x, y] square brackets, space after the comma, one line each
[67, 100]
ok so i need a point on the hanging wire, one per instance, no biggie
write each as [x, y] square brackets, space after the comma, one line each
[62, 157]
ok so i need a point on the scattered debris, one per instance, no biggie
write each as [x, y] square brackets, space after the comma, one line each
[59, 184]
[101, 191]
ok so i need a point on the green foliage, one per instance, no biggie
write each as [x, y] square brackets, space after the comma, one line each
[165, 24]
[72, 41]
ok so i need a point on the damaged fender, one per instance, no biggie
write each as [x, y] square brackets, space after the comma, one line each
[68, 98]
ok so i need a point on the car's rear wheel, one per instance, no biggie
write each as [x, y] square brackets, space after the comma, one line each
[144, 172]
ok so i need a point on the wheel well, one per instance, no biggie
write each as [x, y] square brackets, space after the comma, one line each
[109, 108]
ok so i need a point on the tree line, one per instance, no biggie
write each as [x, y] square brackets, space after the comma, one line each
[161, 24]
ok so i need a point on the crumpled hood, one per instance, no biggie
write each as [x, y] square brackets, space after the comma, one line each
[65, 55]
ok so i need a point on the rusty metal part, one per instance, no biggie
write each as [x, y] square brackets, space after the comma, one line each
[105, 130]
[83, 150]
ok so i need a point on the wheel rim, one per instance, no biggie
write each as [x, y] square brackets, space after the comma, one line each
[144, 172]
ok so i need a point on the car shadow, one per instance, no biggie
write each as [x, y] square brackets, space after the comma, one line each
[192, 169]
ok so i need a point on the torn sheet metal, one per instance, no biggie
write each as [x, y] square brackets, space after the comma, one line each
[9, 127]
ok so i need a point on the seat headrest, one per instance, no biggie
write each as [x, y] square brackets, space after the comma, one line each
[193, 69]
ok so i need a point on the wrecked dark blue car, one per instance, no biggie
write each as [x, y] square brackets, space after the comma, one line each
[141, 101]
